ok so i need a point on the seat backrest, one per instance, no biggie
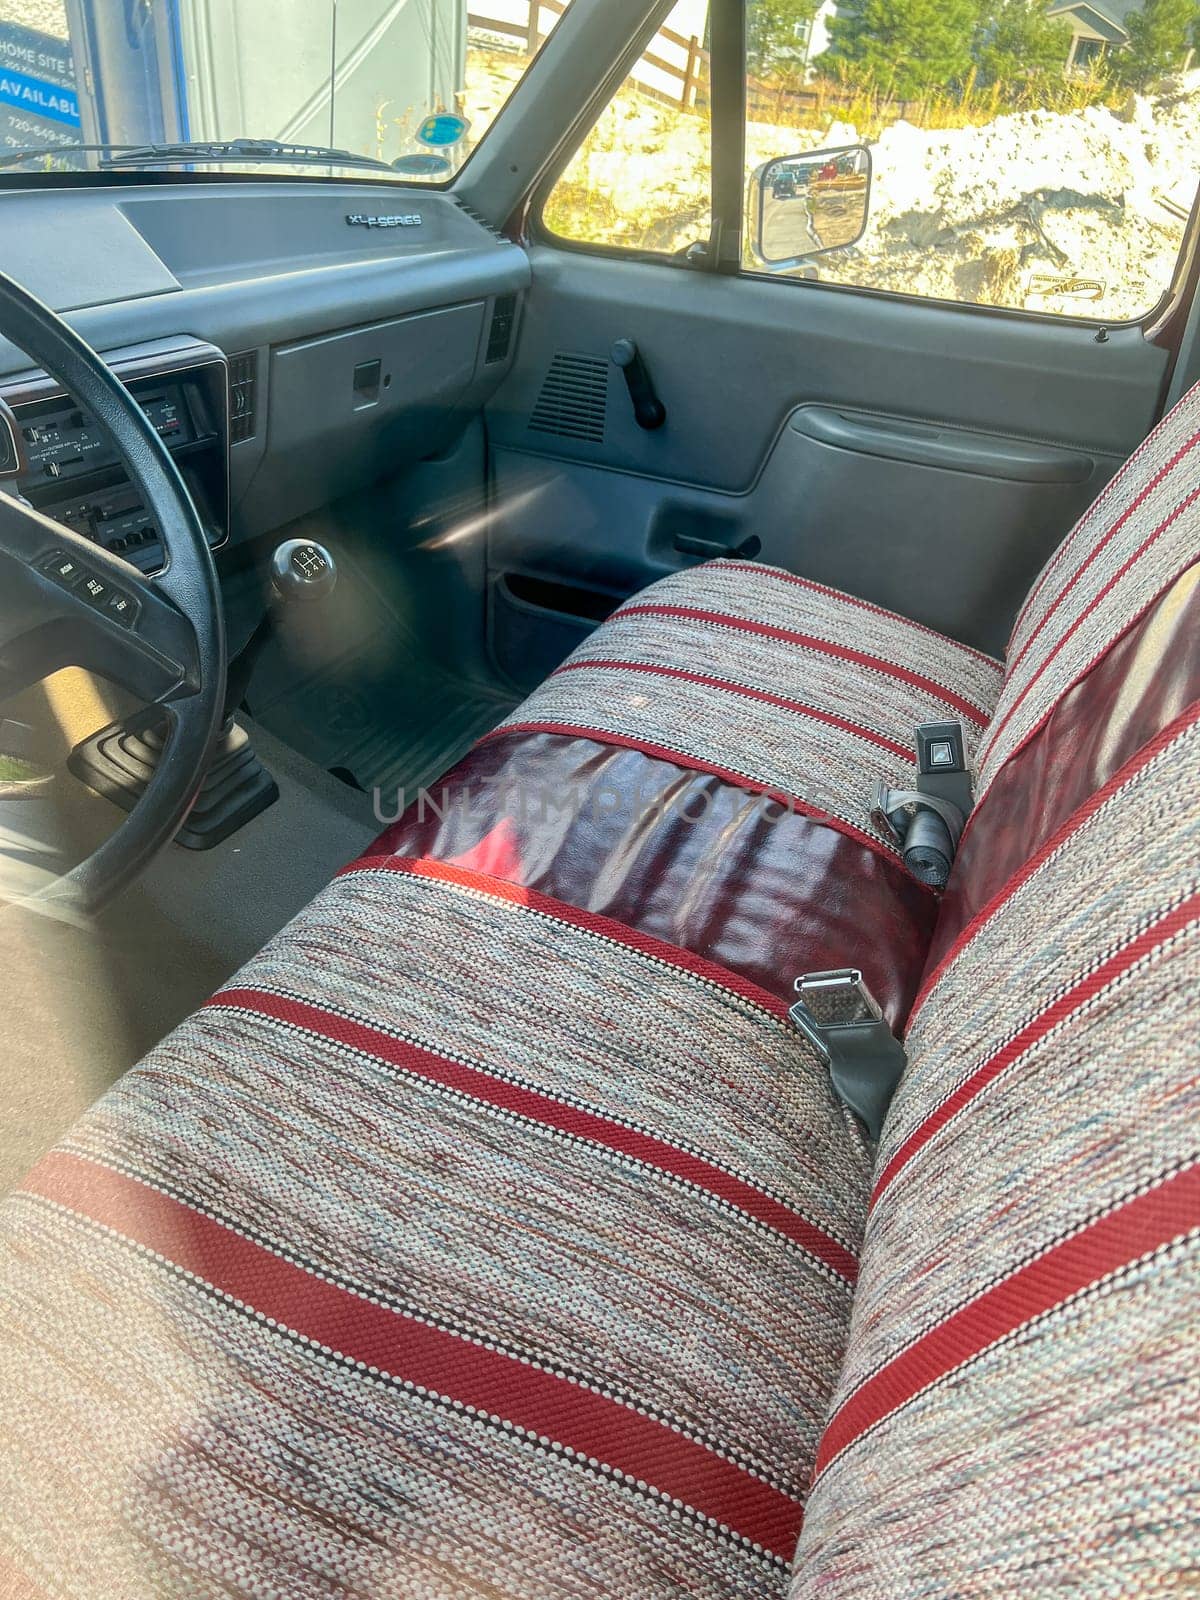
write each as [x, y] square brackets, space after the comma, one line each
[1017, 1412]
[1110, 572]
[1103, 657]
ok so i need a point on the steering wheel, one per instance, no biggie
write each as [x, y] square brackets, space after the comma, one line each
[166, 645]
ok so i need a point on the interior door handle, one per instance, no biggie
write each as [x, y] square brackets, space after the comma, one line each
[648, 410]
[926, 444]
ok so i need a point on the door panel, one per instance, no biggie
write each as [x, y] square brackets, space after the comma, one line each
[925, 456]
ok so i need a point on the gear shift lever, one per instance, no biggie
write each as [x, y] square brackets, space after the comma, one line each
[119, 761]
[301, 572]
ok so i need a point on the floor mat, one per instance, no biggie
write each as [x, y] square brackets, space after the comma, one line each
[393, 733]
[364, 689]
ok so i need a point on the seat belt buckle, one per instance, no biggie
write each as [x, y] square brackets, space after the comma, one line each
[926, 823]
[942, 769]
[844, 1023]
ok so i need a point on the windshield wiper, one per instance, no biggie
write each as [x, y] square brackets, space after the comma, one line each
[265, 151]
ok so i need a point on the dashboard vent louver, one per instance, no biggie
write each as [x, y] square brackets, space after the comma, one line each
[504, 314]
[483, 222]
[574, 398]
[243, 381]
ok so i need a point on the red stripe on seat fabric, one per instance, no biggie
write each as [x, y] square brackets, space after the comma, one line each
[1111, 491]
[1137, 1228]
[997, 728]
[678, 758]
[590, 921]
[1075, 998]
[547, 1112]
[1185, 720]
[808, 641]
[1097, 549]
[454, 1367]
[858, 603]
[893, 746]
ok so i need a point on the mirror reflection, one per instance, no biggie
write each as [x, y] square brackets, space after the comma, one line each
[812, 203]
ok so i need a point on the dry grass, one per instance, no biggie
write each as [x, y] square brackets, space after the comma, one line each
[640, 180]
[811, 106]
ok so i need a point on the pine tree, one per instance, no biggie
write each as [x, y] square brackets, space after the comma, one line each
[1159, 37]
[1017, 42]
[903, 47]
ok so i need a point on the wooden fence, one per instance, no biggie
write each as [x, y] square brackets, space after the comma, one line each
[674, 69]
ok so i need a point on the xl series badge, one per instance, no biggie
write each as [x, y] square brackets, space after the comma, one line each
[407, 219]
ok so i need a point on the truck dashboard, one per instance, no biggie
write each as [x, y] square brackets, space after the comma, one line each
[227, 307]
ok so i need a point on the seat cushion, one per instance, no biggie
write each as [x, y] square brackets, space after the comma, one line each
[468, 1244]
[1018, 1413]
[771, 682]
[703, 768]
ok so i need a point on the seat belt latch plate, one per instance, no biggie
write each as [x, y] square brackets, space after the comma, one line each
[844, 1023]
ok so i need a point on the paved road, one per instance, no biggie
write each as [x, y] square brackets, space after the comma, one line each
[787, 228]
[811, 221]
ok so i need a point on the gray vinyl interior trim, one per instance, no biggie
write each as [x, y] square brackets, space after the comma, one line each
[931, 445]
[778, 346]
[258, 303]
[557, 100]
[1187, 363]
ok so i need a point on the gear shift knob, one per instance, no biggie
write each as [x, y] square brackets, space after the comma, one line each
[302, 570]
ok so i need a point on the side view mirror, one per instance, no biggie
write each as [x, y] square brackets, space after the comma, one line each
[801, 206]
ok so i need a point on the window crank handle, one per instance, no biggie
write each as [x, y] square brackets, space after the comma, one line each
[648, 410]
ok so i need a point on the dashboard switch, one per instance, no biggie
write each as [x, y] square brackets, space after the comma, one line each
[121, 607]
[63, 569]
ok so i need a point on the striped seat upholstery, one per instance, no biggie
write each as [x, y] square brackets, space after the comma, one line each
[468, 1244]
[495, 1234]
[810, 707]
[1019, 1412]
[703, 769]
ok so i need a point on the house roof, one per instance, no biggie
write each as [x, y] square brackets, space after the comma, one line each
[1099, 19]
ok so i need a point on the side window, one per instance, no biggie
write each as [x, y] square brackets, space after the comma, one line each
[1034, 155]
[642, 179]
[1040, 155]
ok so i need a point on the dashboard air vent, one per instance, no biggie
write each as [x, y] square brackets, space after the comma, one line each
[243, 381]
[483, 222]
[504, 314]
[573, 398]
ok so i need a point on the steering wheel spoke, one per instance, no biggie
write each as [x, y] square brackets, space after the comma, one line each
[67, 602]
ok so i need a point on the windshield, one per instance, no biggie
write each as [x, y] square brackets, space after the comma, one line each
[402, 88]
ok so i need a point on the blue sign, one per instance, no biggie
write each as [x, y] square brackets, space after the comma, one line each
[38, 102]
[38, 97]
[443, 129]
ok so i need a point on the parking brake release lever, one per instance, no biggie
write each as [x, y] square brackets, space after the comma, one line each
[648, 410]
